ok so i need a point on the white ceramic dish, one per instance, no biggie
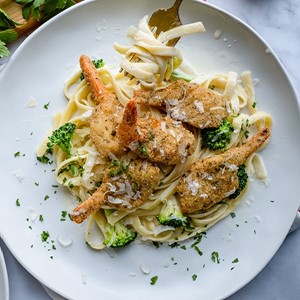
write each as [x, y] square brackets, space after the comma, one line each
[4, 291]
[39, 68]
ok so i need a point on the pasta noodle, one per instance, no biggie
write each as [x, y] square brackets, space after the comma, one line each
[83, 172]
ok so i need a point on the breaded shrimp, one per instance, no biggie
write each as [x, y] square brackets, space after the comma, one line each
[187, 102]
[125, 186]
[164, 141]
[214, 178]
[107, 113]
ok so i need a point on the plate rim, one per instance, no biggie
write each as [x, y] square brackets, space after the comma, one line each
[3, 270]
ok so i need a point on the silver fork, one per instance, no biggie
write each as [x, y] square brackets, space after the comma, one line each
[162, 20]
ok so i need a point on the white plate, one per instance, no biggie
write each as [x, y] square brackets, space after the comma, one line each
[39, 68]
[3, 278]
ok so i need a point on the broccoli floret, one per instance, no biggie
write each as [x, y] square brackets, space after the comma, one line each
[60, 137]
[171, 215]
[98, 63]
[118, 235]
[243, 178]
[217, 138]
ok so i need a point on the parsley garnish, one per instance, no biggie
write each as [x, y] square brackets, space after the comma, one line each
[46, 106]
[232, 215]
[153, 280]
[63, 215]
[118, 168]
[236, 260]
[18, 202]
[194, 277]
[142, 148]
[44, 236]
[174, 245]
[43, 9]
[17, 154]
[215, 257]
[7, 33]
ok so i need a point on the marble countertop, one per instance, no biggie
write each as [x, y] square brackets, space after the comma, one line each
[278, 22]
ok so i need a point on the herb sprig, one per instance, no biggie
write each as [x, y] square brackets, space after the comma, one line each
[43, 10]
[7, 32]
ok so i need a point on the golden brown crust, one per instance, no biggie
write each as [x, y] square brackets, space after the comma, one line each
[125, 186]
[162, 141]
[214, 178]
[106, 115]
[188, 102]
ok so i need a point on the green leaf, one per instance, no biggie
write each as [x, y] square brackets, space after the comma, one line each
[5, 21]
[36, 13]
[26, 11]
[3, 50]
[38, 3]
[24, 1]
[8, 35]
[61, 4]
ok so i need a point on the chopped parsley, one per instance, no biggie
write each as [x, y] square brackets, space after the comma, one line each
[198, 250]
[43, 159]
[153, 280]
[174, 245]
[41, 218]
[194, 277]
[156, 244]
[18, 202]
[17, 154]
[118, 168]
[236, 260]
[142, 148]
[215, 257]
[232, 215]
[46, 106]
[44, 236]
[63, 215]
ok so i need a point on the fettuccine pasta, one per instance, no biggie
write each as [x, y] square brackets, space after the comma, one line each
[153, 68]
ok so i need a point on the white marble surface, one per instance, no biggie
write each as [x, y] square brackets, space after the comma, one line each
[278, 22]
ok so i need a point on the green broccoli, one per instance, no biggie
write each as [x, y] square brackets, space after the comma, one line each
[118, 235]
[60, 137]
[171, 215]
[217, 138]
[243, 178]
[98, 63]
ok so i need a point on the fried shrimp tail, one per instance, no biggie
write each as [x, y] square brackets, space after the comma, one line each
[127, 129]
[92, 204]
[157, 140]
[215, 178]
[125, 186]
[91, 76]
[106, 114]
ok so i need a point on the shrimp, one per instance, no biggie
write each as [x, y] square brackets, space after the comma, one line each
[106, 115]
[163, 141]
[125, 186]
[188, 102]
[214, 178]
